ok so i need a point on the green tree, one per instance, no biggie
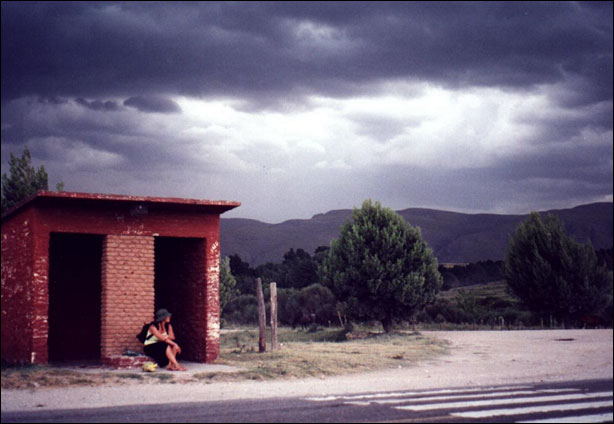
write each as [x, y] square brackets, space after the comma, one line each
[299, 269]
[24, 180]
[380, 268]
[227, 283]
[243, 274]
[552, 274]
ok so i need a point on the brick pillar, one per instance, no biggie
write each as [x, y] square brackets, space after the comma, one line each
[212, 345]
[40, 300]
[193, 301]
[127, 299]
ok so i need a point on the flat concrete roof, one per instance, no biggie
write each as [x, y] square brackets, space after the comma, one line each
[63, 197]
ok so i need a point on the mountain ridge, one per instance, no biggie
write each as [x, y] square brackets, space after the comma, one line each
[455, 237]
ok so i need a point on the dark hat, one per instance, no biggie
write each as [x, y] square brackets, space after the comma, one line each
[161, 314]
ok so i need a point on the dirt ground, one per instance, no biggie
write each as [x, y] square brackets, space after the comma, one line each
[493, 357]
[475, 358]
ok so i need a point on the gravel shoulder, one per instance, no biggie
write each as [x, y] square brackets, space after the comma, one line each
[475, 358]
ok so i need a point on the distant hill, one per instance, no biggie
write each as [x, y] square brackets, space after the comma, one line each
[454, 237]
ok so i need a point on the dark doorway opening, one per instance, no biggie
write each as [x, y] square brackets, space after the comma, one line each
[74, 297]
[180, 286]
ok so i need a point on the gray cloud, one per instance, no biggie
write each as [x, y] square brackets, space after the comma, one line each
[382, 128]
[65, 63]
[153, 104]
[99, 105]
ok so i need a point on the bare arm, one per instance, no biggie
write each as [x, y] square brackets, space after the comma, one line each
[153, 329]
[171, 333]
[171, 336]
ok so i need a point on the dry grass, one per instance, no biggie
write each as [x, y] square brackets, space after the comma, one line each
[35, 376]
[305, 354]
[41, 376]
[302, 354]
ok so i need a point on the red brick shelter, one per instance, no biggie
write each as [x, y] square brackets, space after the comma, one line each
[81, 273]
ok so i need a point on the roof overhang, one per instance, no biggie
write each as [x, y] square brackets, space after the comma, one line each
[167, 203]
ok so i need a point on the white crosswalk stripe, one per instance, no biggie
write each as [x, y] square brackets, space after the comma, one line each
[547, 405]
[593, 418]
[414, 393]
[535, 399]
[532, 409]
[462, 396]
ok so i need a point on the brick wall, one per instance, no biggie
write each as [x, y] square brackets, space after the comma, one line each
[127, 298]
[213, 301]
[127, 272]
[17, 307]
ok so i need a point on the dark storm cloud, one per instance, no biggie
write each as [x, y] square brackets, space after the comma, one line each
[261, 51]
[99, 105]
[153, 104]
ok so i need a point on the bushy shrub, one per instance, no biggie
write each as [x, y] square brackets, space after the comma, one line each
[242, 310]
[444, 310]
[314, 304]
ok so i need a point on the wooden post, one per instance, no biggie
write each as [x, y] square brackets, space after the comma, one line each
[273, 288]
[340, 319]
[261, 317]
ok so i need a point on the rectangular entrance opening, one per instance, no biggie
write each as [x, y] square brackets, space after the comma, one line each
[180, 286]
[74, 297]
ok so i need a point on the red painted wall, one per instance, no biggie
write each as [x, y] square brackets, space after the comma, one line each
[17, 290]
[127, 268]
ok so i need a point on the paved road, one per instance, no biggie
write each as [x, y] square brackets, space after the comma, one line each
[574, 401]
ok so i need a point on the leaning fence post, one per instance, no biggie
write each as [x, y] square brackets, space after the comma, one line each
[340, 319]
[273, 288]
[261, 317]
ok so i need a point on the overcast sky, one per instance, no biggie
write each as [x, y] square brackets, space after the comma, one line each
[297, 108]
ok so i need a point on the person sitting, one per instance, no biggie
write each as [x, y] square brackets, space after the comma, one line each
[160, 343]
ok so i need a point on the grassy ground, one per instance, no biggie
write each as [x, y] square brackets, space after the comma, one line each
[40, 376]
[302, 353]
[324, 352]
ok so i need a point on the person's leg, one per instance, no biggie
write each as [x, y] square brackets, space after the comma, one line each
[171, 353]
[157, 352]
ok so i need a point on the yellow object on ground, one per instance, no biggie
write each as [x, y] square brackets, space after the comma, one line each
[150, 366]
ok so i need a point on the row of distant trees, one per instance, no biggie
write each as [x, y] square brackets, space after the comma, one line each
[317, 304]
[379, 269]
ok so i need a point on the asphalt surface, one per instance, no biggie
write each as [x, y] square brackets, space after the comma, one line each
[579, 401]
